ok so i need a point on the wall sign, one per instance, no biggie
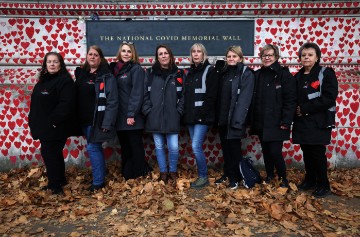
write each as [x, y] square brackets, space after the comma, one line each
[217, 35]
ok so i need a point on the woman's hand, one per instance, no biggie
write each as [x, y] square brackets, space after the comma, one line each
[130, 121]
[298, 111]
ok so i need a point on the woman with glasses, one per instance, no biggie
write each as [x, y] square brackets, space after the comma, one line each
[51, 108]
[273, 109]
[317, 89]
[200, 90]
[163, 107]
[130, 121]
[97, 105]
[236, 84]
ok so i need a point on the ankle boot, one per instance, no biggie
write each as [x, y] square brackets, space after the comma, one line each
[163, 177]
[173, 177]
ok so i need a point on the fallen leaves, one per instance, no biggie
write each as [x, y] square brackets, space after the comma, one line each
[146, 207]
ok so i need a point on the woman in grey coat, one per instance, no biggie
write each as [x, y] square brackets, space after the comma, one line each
[130, 78]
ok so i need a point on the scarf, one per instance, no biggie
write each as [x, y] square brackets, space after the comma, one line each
[119, 65]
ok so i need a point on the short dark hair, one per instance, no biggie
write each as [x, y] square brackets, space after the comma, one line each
[310, 45]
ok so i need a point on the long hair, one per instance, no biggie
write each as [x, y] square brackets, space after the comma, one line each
[172, 59]
[203, 50]
[103, 61]
[44, 71]
[134, 57]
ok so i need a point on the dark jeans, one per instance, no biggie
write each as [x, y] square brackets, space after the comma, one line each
[232, 155]
[132, 153]
[273, 158]
[51, 152]
[315, 165]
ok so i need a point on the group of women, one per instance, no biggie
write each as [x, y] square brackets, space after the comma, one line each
[123, 99]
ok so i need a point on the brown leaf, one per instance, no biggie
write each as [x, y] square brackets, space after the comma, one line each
[276, 211]
[167, 205]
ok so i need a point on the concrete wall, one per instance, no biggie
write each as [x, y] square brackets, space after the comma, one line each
[29, 30]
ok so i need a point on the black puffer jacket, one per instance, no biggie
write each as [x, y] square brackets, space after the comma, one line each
[242, 86]
[273, 102]
[130, 83]
[200, 96]
[52, 107]
[163, 100]
[313, 127]
[109, 119]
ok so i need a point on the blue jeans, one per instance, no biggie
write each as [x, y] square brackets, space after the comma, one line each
[97, 160]
[197, 135]
[173, 148]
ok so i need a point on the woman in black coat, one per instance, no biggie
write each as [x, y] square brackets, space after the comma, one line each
[130, 77]
[52, 105]
[97, 105]
[317, 89]
[236, 85]
[273, 108]
[200, 90]
[163, 107]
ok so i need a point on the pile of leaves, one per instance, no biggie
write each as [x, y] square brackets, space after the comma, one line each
[147, 207]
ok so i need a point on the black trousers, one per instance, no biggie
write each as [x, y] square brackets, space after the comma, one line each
[273, 158]
[52, 154]
[132, 153]
[232, 155]
[315, 165]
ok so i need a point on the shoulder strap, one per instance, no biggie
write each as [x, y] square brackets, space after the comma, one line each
[321, 76]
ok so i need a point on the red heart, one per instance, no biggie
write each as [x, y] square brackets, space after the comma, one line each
[315, 84]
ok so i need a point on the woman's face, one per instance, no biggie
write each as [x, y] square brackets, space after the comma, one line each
[232, 58]
[268, 57]
[308, 57]
[93, 58]
[52, 64]
[163, 57]
[125, 53]
[197, 55]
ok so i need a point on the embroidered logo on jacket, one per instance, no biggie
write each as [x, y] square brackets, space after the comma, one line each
[44, 92]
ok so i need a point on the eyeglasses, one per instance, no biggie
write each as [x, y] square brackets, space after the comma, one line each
[128, 42]
[267, 55]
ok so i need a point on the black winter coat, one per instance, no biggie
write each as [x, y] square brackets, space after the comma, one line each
[111, 108]
[241, 93]
[52, 107]
[200, 96]
[130, 83]
[163, 101]
[312, 127]
[273, 103]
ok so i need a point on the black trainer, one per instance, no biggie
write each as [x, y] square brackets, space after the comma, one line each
[221, 180]
[321, 192]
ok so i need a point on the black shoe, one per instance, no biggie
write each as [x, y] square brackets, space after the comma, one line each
[284, 183]
[306, 185]
[221, 180]
[94, 187]
[269, 179]
[57, 190]
[321, 192]
[233, 185]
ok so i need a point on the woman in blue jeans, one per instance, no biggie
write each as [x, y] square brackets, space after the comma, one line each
[97, 105]
[200, 90]
[163, 107]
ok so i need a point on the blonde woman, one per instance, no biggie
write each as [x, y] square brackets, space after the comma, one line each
[236, 84]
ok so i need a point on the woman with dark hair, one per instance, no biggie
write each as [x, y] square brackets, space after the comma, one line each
[163, 107]
[130, 79]
[317, 89]
[52, 105]
[236, 84]
[273, 109]
[97, 105]
[200, 90]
